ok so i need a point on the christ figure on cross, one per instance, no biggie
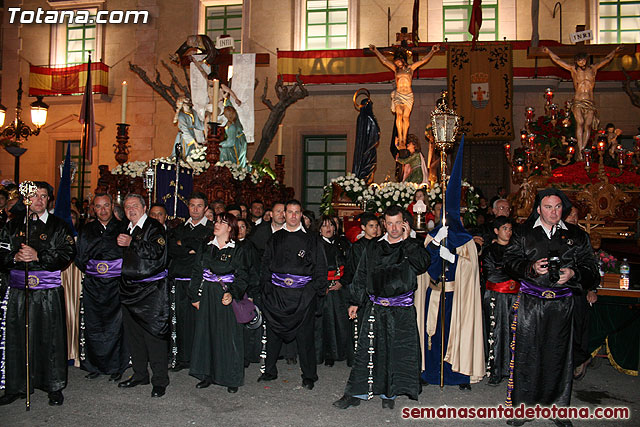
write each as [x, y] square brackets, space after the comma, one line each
[584, 80]
[402, 96]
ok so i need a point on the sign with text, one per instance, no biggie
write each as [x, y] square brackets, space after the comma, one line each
[581, 36]
[224, 42]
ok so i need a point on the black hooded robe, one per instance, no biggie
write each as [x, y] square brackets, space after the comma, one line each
[543, 366]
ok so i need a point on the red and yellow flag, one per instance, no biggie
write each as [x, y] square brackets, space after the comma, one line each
[50, 81]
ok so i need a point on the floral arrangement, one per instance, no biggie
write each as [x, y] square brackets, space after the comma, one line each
[133, 169]
[237, 172]
[196, 160]
[378, 198]
[469, 204]
[351, 185]
[608, 263]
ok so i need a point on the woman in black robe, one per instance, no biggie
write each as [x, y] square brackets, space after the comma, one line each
[220, 275]
[333, 329]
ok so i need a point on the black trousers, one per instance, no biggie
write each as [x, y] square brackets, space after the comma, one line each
[581, 314]
[185, 321]
[146, 349]
[306, 348]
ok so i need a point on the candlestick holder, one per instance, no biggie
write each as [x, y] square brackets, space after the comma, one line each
[122, 143]
[214, 137]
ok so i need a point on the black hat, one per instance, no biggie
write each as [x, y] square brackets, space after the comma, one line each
[566, 203]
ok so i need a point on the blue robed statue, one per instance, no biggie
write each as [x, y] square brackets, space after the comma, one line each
[234, 148]
[191, 129]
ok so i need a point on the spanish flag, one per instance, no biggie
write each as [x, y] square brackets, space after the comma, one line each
[50, 81]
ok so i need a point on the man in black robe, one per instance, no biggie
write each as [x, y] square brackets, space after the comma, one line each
[550, 258]
[293, 275]
[144, 296]
[102, 349]
[184, 242]
[50, 250]
[387, 361]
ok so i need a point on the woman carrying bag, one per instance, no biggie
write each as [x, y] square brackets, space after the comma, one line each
[219, 277]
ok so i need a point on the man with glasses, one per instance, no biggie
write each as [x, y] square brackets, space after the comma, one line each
[144, 296]
[50, 250]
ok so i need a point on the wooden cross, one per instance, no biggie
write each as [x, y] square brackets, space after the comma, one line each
[403, 37]
[589, 223]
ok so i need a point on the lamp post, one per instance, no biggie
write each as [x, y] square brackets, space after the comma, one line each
[445, 124]
[13, 135]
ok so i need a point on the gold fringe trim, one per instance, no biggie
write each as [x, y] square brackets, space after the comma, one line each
[615, 365]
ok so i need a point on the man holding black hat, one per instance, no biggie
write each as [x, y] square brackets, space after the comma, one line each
[551, 259]
[50, 250]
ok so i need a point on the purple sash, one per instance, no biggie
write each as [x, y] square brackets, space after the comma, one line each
[185, 279]
[404, 300]
[158, 276]
[209, 276]
[42, 279]
[289, 280]
[544, 293]
[106, 269]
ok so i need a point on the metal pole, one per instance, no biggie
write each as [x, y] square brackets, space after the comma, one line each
[175, 191]
[558, 5]
[26, 313]
[27, 190]
[443, 277]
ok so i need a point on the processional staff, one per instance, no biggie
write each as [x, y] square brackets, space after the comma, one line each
[445, 126]
[28, 190]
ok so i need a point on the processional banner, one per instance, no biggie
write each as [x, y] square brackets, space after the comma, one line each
[480, 83]
[165, 185]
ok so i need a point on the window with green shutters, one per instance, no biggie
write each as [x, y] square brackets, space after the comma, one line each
[619, 21]
[227, 20]
[81, 39]
[325, 158]
[326, 24]
[456, 15]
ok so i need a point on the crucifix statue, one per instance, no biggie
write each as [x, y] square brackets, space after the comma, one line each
[584, 80]
[402, 96]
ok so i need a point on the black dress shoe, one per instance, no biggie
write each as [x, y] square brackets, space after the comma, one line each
[329, 363]
[346, 401]
[232, 389]
[204, 383]
[56, 398]
[388, 403]
[308, 384]
[10, 398]
[267, 377]
[116, 377]
[92, 375]
[464, 386]
[158, 391]
[291, 360]
[132, 383]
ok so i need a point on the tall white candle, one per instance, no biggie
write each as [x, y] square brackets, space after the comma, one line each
[280, 139]
[214, 101]
[123, 117]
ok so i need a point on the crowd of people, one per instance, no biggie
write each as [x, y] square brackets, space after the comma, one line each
[166, 294]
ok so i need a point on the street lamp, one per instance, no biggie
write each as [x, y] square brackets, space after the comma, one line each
[18, 132]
